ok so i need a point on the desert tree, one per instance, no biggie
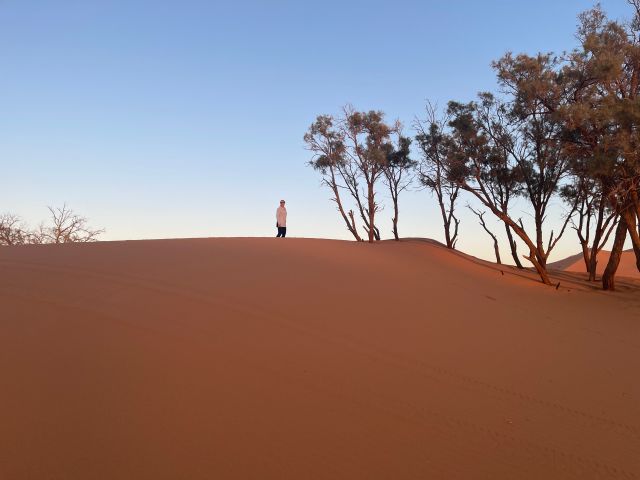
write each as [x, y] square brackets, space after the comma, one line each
[398, 171]
[435, 144]
[594, 220]
[352, 153]
[503, 180]
[531, 134]
[65, 226]
[627, 227]
[12, 230]
[610, 53]
[608, 277]
[327, 145]
[367, 138]
[478, 158]
[602, 122]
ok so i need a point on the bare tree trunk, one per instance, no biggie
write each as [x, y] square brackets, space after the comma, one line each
[636, 205]
[364, 214]
[394, 189]
[585, 254]
[630, 219]
[497, 251]
[593, 265]
[584, 212]
[540, 268]
[519, 230]
[592, 261]
[542, 259]
[448, 219]
[350, 221]
[602, 233]
[395, 218]
[352, 227]
[608, 277]
[513, 246]
[394, 180]
[352, 185]
[445, 222]
[485, 199]
[371, 212]
[453, 195]
[496, 247]
[447, 235]
[376, 233]
[456, 223]
[632, 214]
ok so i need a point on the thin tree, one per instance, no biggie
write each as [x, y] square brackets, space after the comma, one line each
[608, 277]
[366, 137]
[532, 136]
[594, 217]
[66, 227]
[496, 247]
[601, 120]
[397, 172]
[503, 180]
[352, 154]
[327, 145]
[477, 160]
[12, 230]
[435, 145]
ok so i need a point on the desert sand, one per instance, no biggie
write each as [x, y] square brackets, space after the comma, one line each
[575, 263]
[310, 359]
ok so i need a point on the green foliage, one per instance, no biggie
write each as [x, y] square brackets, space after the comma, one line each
[326, 142]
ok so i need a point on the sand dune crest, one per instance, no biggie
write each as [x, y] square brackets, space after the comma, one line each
[296, 358]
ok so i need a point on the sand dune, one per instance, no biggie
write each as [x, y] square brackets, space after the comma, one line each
[575, 263]
[310, 359]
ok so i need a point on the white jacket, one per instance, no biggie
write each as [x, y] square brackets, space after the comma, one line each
[281, 216]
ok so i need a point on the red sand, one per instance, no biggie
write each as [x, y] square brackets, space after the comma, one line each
[309, 359]
[626, 268]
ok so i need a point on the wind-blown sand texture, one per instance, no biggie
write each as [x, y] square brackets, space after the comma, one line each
[575, 263]
[310, 359]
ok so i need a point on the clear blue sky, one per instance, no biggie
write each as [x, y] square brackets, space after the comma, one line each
[185, 118]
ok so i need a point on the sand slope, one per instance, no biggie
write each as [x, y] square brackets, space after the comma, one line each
[309, 359]
[575, 263]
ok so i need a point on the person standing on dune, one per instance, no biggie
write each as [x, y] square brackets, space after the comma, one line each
[281, 220]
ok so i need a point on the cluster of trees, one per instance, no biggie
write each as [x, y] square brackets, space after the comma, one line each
[563, 127]
[353, 153]
[63, 226]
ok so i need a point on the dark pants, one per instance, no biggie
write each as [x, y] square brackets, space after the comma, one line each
[282, 232]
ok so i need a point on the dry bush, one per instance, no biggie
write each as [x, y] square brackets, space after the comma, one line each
[64, 226]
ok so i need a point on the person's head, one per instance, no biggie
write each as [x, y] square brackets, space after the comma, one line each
[282, 203]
